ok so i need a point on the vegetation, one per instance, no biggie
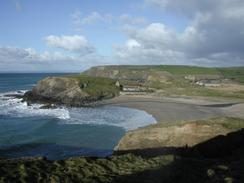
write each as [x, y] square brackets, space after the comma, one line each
[233, 73]
[81, 169]
[188, 70]
[97, 86]
[170, 80]
[188, 165]
[230, 123]
[182, 87]
[173, 69]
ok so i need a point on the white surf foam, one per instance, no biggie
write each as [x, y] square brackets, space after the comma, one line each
[126, 118]
[12, 106]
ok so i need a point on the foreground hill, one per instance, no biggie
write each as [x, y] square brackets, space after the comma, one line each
[178, 134]
[218, 159]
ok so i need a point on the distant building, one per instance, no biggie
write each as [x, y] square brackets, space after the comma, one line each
[209, 83]
[201, 77]
[131, 89]
[117, 84]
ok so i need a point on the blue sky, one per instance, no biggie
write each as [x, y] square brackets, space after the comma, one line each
[61, 35]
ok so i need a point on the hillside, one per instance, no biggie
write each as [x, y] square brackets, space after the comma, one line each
[72, 90]
[178, 134]
[143, 71]
[218, 159]
[170, 80]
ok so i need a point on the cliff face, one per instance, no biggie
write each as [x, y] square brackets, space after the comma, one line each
[177, 135]
[71, 91]
[136, 74]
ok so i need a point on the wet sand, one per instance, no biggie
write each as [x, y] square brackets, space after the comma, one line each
[177, 109]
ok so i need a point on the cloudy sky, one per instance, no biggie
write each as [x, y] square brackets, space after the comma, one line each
[65, 36]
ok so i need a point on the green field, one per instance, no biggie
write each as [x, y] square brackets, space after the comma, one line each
[188, 70]
[235, 73]
[169, 79]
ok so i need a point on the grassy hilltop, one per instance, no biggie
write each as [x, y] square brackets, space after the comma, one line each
[96, 86]
[235, 73]
[171, 80]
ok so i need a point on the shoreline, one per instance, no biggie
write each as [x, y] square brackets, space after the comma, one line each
[167, 109]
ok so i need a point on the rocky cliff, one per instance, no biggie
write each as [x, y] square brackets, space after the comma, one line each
[186, 134]
[72, 90]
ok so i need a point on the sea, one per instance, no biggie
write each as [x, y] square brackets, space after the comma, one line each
[29, 131]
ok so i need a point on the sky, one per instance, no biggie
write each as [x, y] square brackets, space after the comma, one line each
[71, 36]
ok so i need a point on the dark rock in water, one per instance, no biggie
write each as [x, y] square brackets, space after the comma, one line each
[14, 96]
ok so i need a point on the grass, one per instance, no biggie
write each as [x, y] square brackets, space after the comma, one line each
[172, 167]
[233, 73]
[187, 70]
[81, 169]
[173, 69]
[181, 87]
[97, 86]
[230, 123]
[174, 83]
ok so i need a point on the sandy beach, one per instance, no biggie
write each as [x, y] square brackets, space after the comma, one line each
[165, 109]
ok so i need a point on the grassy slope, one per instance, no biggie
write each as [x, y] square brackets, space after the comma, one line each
[176, 84]
[235, 73]
[188, 70]
[80, 169]
[97, 86]
[173, 69]
[180, 86]
[230, 123]
[174, 167]
[228, 72]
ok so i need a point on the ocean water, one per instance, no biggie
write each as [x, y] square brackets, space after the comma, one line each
[62, 132]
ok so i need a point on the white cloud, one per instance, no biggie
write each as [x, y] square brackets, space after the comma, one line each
[25, 55]
[91, 18]
[128, 19]
[132, 44]
[28, 59]
[80, 21]
[213, 36]
[75, 43]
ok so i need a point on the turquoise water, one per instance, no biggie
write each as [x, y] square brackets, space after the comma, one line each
[62, 132]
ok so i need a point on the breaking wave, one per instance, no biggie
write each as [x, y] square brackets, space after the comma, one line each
[12, 106]
[126, 118]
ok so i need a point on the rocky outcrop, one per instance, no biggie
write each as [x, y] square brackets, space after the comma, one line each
[137, 74]
[64, 90]
[178, 135]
